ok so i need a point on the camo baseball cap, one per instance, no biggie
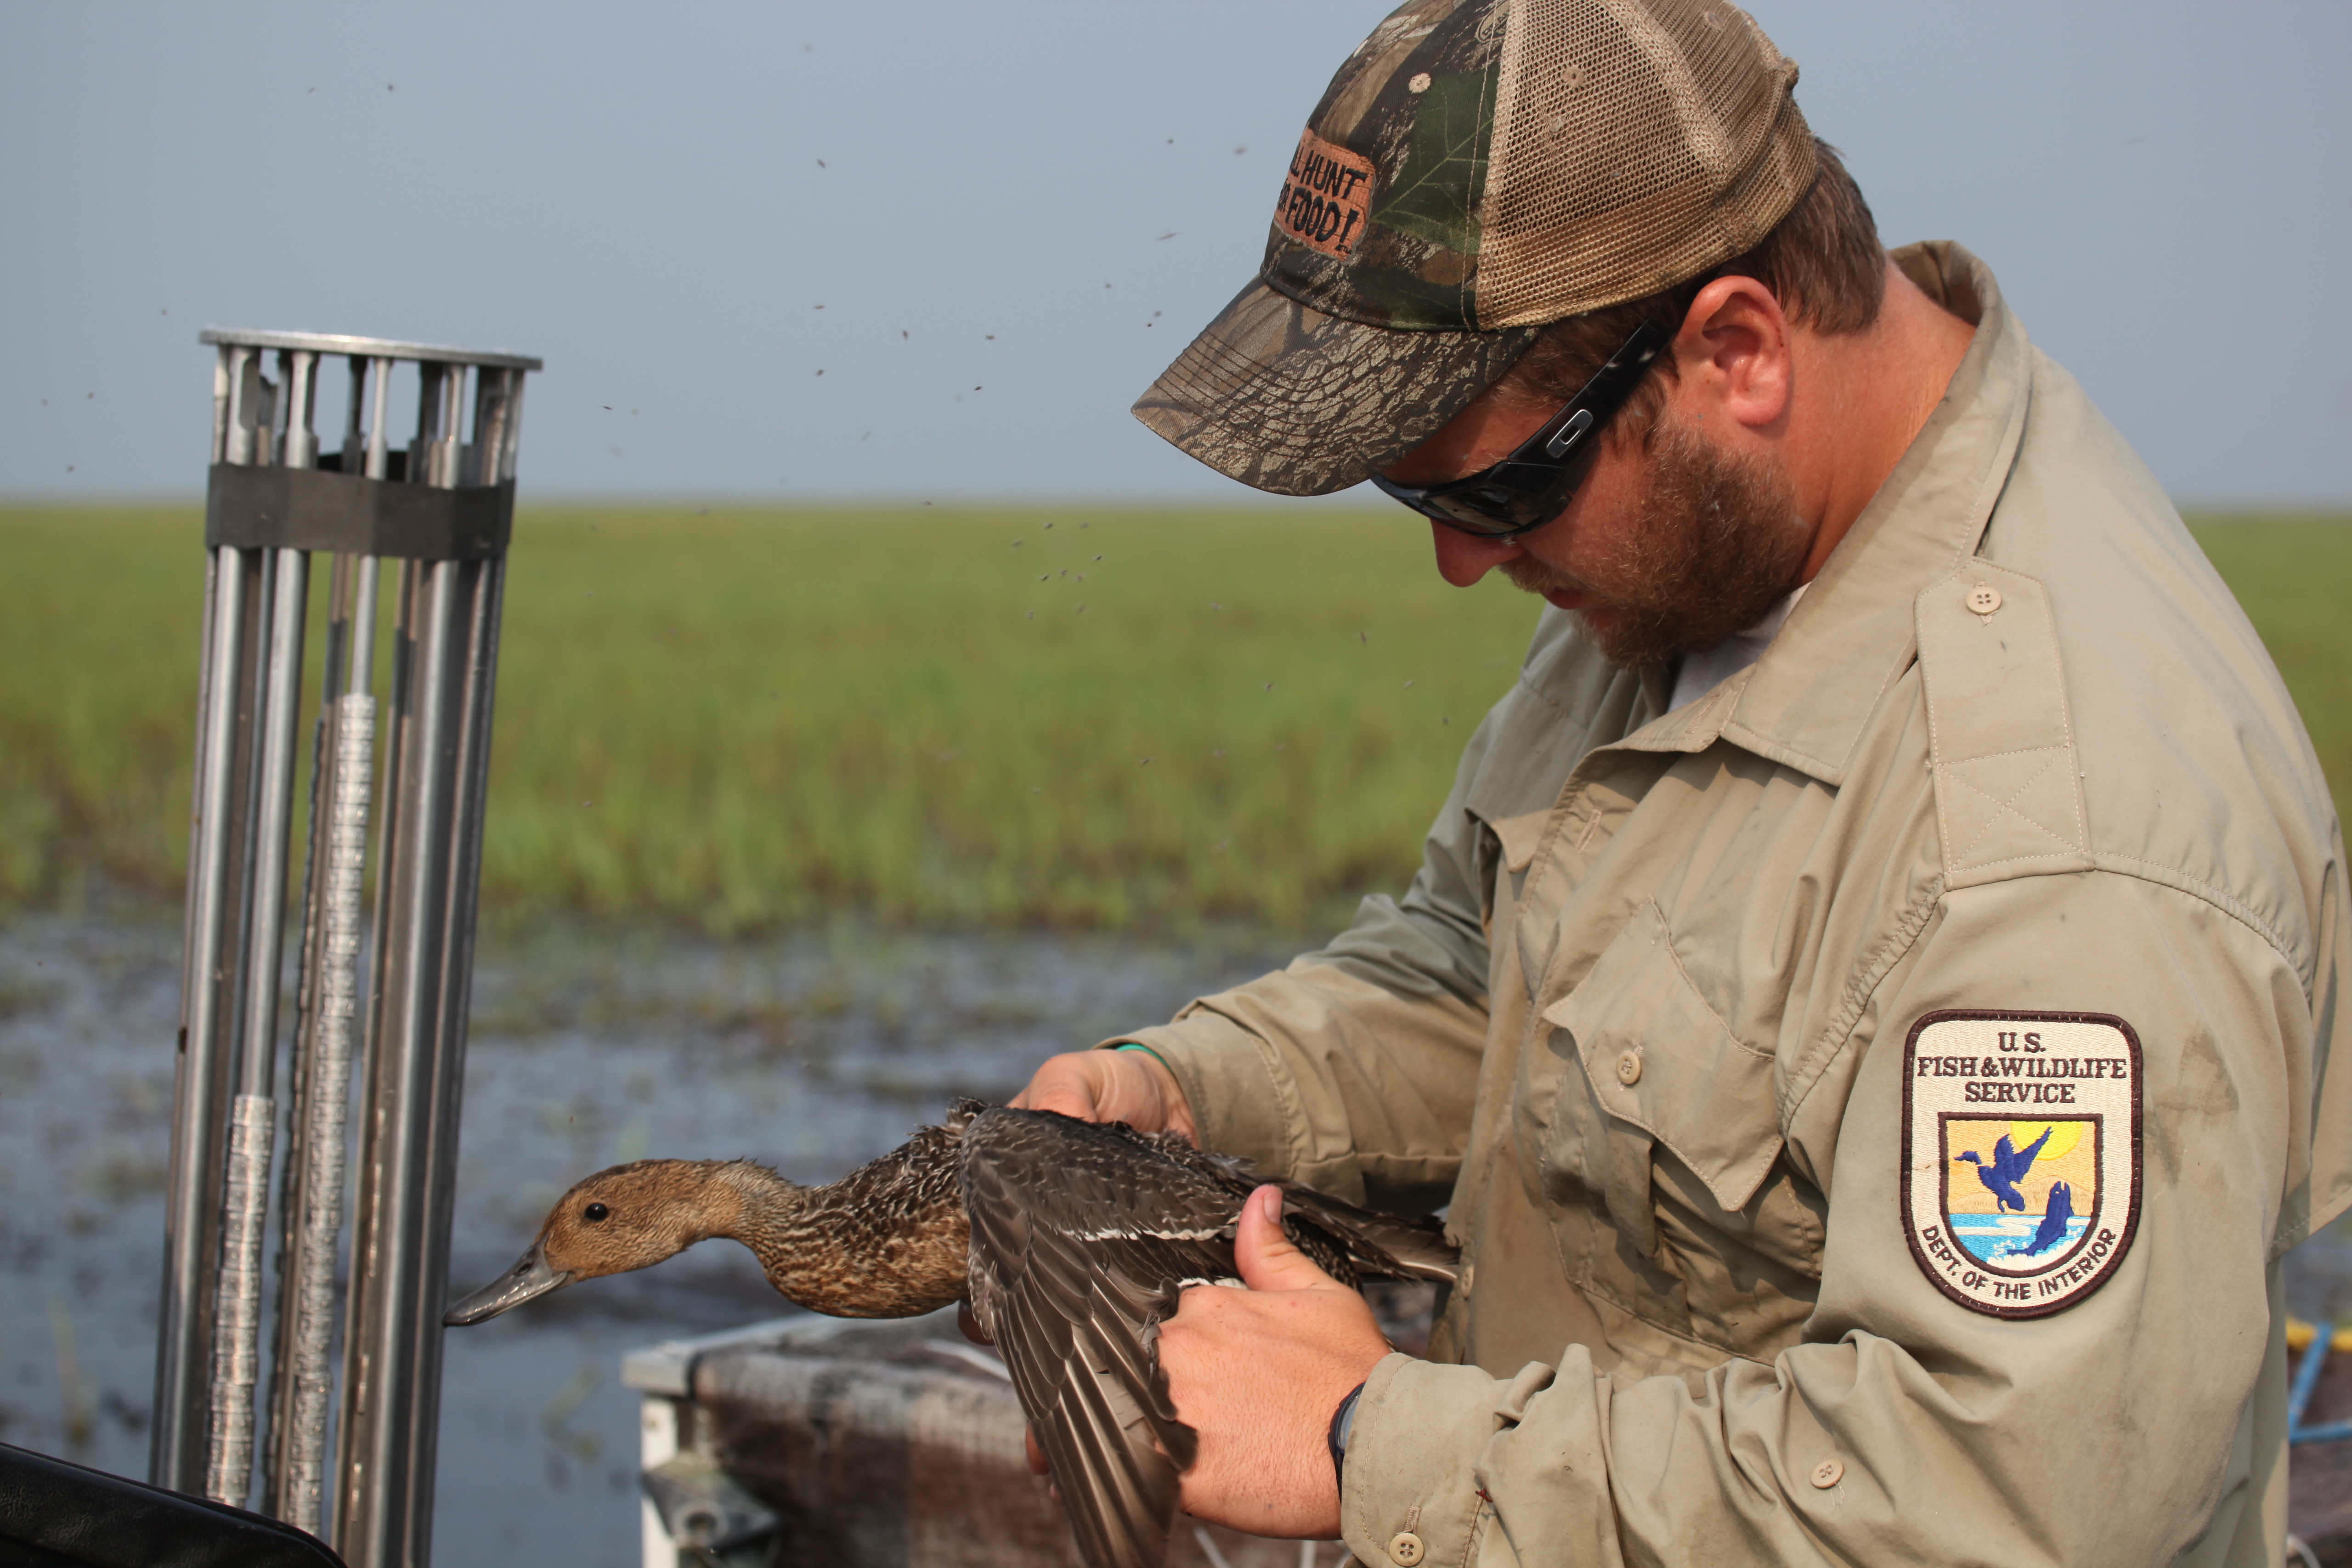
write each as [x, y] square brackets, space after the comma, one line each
[1477, 169]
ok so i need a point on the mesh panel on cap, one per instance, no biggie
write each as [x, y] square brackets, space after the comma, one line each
[1636, 144]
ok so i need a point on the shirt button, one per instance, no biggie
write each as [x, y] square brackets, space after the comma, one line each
[1405, 1549]
[1828, 1473]
[1629, 1068]
[1984, 598]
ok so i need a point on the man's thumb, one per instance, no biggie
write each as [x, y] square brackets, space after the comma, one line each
[1265, 1254]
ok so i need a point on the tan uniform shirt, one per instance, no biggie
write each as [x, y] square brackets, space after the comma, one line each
[1706, 1023]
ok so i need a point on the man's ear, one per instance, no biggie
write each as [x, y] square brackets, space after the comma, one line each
[1732, 358]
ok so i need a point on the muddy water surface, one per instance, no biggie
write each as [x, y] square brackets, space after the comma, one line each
[812, 1053]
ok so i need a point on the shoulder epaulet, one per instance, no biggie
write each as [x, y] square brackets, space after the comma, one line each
[2009, 788]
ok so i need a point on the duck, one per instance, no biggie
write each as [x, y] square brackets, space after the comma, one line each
[1066, 1242]
[2007, 1168]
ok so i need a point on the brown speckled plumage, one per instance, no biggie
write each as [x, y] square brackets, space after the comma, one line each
[1071, 1241]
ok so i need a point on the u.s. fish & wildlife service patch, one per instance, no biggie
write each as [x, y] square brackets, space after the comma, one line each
[2020, 1155]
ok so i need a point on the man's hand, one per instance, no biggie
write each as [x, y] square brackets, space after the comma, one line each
[1133, 1086]
[1257, 1372]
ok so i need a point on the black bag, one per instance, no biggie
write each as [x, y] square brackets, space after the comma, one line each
[57, 1515]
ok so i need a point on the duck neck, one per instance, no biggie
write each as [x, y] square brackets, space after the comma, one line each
[742, 1201]
[889, 1240]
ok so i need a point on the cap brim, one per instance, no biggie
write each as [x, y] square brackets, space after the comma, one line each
[1285, 398]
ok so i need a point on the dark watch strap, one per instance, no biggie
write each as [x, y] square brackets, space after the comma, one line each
[1343, 1418]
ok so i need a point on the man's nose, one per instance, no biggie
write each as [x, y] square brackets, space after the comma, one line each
[1464, 558]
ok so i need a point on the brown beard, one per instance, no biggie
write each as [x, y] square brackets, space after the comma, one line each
[1717, 545]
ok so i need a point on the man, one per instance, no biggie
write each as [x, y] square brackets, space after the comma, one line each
[1869, 997]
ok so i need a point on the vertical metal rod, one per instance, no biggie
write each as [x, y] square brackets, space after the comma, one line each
[275, 818]
[480, 590]
[299, 448]
[190, 1259]
[241, 368]
[363, 615]
[492, 390]
[361, 1470]
[236, 1345]
[379, 407]
[327, 1106]
[294, 1172]
[514, 424]
[224, 363]
[354, 432]
[315, 1185]
[375, 1523]
[253, 683]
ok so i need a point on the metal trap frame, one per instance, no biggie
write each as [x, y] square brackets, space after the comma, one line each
[436, 515]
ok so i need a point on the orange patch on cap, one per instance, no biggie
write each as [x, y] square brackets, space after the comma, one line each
[1328, 198]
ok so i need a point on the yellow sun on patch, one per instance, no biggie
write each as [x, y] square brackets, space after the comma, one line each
[2064, 1136]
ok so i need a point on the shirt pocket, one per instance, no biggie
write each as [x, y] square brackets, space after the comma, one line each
[1660, 1069]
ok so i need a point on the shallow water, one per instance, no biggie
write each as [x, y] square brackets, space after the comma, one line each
[812, 1053]
[809, 1052]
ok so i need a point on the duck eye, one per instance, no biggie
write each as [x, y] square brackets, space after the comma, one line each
[595, 1212]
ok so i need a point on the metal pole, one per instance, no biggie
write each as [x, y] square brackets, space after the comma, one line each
[294, 1173]
[236, 1345]
[481, 591]
[343, 782]
[312, 1270]
[377, 1523]
[208, 981]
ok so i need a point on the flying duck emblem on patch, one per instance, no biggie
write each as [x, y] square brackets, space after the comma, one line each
[2020, 1155]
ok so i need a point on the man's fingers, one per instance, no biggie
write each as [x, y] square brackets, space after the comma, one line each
[1109, 1086]
[1073, 1103]
[1066, 1083]
[1264, 1253]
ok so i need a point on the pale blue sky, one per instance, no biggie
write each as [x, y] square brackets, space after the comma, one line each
[658, 198]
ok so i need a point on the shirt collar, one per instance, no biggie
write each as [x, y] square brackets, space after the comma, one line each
[1805, 702]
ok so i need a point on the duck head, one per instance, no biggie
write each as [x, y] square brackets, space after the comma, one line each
[625, 1217]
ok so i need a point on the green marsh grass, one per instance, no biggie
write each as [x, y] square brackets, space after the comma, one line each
[739, 718]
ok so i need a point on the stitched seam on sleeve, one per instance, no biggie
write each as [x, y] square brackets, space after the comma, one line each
[1915, 921]
[1467, 1553]
[2163, 876]
[1837, 1035]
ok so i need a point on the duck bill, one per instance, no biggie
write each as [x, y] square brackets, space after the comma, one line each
[525, 1281]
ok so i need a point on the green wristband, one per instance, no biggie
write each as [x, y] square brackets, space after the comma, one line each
[1147, 1050]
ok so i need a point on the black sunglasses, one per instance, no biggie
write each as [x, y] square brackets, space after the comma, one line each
[1531, 487]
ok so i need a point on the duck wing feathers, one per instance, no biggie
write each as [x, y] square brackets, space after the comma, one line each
[1083, 1237]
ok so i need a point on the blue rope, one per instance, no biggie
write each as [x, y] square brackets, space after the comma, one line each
[2298, 1398]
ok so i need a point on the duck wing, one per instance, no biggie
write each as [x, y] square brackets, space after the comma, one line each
[1373, 1246]
[1349, 1243]
[1082, 1238]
